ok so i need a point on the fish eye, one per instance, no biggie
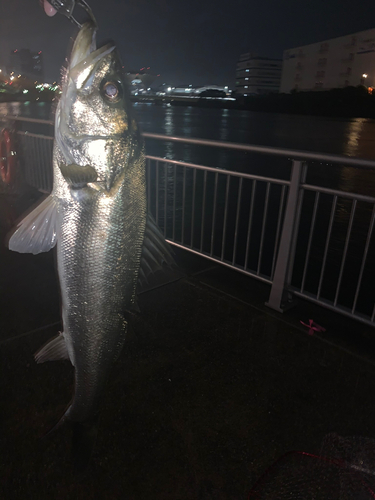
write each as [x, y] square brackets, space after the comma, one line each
[111, 91]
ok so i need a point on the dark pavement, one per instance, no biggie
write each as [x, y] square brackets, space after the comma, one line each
[210, 389]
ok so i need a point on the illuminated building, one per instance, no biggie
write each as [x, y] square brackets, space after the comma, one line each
[257, 75]
[140, 80]
[190, 90]
[26, 63]
[339, 62]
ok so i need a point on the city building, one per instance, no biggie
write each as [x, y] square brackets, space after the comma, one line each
[257, 75]
[189, 90]
[339, 62]
[26, 63]
[140, 81]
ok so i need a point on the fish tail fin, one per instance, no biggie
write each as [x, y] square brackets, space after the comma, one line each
[83, 443]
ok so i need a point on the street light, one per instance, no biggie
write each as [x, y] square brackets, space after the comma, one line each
[364, 75]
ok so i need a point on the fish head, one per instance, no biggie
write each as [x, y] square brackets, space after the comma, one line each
[94, 123]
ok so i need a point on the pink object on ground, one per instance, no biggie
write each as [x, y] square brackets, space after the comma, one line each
[313, 327]
[48, 9]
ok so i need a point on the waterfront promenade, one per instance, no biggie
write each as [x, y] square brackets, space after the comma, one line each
[210, 389]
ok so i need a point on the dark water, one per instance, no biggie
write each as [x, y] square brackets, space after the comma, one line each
[190, 216]
[353, 137]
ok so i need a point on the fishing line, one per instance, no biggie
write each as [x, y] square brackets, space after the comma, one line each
[30, 332]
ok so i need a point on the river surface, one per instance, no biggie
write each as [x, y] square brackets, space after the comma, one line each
[348, 136]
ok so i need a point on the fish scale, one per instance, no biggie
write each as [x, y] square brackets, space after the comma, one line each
[106, 232]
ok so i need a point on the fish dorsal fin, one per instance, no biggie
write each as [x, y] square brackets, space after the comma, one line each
[156, 252]
[36, 232]
[56, 348]
[77, 176]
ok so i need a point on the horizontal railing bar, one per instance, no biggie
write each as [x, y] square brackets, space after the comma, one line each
[341, 194]
[25, 119]
[289, 153]
[337, 308]
[222, 262]
[38, 136]
[220, 171]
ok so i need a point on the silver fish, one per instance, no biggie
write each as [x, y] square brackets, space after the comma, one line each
[97, 215]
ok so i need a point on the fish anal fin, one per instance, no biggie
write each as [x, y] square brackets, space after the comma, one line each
[78, 177]
[53, 350]
[37, 231]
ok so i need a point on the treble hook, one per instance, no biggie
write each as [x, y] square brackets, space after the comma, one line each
[66, 8]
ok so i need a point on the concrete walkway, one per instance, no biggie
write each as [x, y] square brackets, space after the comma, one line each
[210, 389]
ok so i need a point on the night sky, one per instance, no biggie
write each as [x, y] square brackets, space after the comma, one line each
[188, 42]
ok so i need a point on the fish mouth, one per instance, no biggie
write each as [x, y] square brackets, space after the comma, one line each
[85, 56]
[81, 71]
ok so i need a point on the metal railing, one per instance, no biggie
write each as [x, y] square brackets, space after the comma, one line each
[303, 238]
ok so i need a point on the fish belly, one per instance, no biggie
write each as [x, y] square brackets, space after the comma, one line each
[99, 253]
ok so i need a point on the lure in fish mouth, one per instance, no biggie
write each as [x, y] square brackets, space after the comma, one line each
[66, 8]
[96, 216]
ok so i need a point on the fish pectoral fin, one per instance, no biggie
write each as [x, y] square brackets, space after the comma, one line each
[78, 177]
[53, 350]
[37, 231]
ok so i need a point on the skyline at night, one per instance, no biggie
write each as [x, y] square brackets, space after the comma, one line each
[191, 43]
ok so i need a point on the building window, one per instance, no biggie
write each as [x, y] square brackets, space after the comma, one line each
[324, 47]
[322, 61]
[320, 74]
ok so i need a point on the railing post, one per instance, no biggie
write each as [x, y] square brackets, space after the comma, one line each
[278, 298]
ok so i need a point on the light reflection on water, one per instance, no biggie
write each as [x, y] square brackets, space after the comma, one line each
[354, 132]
